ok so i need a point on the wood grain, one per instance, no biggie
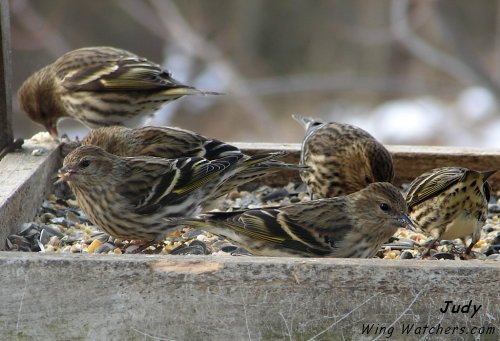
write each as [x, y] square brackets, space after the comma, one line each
[409, 161]
[25, 180]
[131, 297]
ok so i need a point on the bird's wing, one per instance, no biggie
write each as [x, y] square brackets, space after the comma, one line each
[272, 226]
[432, 183]
[114, 70]
[176, 184]
[172, 142]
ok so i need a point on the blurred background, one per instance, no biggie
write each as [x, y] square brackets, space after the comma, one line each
[409, 72]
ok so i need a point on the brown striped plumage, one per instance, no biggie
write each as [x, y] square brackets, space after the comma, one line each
[342, 158]
[130, 197]
[165, 142]
[170, 143]
[352, 226]
[99, 86]
[450, 203]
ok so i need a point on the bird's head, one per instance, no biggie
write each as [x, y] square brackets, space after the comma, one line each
[386, 205]
[38, 98]
[88, 166]
[116, 140]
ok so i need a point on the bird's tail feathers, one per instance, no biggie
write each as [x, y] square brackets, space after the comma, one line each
[188, 90]
[305, 121]
[487, 174]
[278, 165]
[177, 222]
[261, 158]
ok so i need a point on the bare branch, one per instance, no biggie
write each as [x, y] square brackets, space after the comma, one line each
[430, 55]
[181, 33]
[35, 24]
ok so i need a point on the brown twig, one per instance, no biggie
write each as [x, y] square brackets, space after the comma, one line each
[194, 45]
[429, 54]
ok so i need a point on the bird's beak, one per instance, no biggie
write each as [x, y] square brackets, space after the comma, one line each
[52, 129]
[487, 174]
[65, 174]
[407, 222]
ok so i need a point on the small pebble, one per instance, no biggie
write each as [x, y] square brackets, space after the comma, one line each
[443, 255]
[105, 248]
[53, 230]
[228, 248]
[76, 248]
[406, 255]
[195, 248]
[54, 241]
[494, 208]
[94, 245]
[276, 195]
[492, 249]
[62, 227]
[37, 152]
[131, 249]
[496, 240]
[234, 195]
[192, 233]
[494, 256]
[240, 252]
[488, 229]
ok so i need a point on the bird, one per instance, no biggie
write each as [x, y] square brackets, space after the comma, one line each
[99, 86]
[173, 142]
[450, 203]
[159, 141]
[342, 158]
[351, 226]
[130, 197]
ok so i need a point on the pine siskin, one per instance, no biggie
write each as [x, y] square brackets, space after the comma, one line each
[352, 226]
[171, 143]
[450, 203]
[342, 158]
[99, 86]
[129, 197]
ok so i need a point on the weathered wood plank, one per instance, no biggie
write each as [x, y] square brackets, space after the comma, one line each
[25, 181]
[98, 297]
[6, 134]
[409, 161]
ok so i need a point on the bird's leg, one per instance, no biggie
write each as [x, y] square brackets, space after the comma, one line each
[427, 252]
[144, 247]
[467, 254]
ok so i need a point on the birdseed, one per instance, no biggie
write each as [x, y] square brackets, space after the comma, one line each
[61, 227]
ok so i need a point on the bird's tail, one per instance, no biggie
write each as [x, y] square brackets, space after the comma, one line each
[487, 174]
[271, 166]
[304, 121]
[184, 90]
[256, 167]
[262, 158]
[171, 223]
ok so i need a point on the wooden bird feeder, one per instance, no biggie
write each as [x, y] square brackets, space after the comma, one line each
[162, 297]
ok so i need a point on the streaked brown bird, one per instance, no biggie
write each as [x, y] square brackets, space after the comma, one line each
[99, 86]
[165, 142]
[171, 143]
[342, 158]
[352, 226]
[130, 197]
[450, 203]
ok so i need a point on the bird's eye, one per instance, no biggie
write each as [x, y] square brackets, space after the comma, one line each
[384, 207]
[84, 164]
